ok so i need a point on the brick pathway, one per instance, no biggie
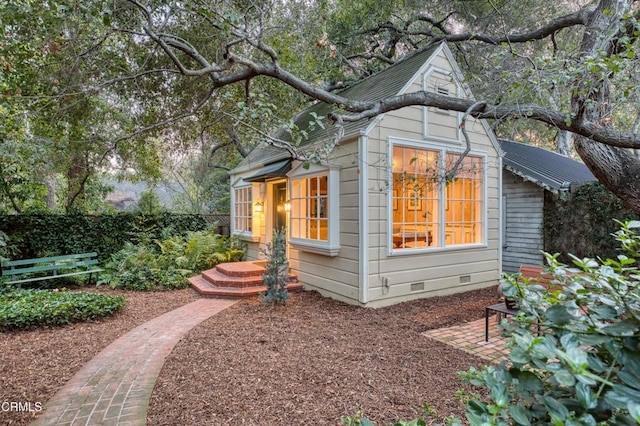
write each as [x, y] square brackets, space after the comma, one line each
[115, 386]
[469, 337]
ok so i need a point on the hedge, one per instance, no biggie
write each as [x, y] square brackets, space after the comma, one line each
[46, 234]
[583, 224]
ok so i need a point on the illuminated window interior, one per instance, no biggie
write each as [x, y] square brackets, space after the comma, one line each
[419, 195]
[243, 210]
[309, 208]
[464, 202]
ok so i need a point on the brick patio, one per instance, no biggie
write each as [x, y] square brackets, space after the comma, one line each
[469, 337]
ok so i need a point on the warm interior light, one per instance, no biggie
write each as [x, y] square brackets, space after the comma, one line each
[259, 207]
[287, 206]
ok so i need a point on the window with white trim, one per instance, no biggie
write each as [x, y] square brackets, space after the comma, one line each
[314, 214]
[243, 210]
[464, 200]
[309, 207]
[427, 212]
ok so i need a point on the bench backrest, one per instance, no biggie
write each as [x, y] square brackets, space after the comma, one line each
[53, 263]
[537, 275]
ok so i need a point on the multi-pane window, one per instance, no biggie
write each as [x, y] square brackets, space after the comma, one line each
[428, 211]
[243, 210]
[415, 197]
[309, 208]
[464, 202]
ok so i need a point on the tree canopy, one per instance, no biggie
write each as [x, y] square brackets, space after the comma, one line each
[215, 76]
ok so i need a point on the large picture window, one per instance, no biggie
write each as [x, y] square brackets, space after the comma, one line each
[425, 210]
[243, 221]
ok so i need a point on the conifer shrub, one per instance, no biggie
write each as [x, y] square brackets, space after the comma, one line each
[277, 270]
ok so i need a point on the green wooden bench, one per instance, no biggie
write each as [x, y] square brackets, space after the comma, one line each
[53, 267]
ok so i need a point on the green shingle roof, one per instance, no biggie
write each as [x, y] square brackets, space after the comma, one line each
[383, 84]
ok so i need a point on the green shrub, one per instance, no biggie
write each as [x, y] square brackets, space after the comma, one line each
[574, 349]
[204, 250]
[23, 308]
[41, 234]
[7, 249]
[584, 368]
[166, 264]
[142, 268]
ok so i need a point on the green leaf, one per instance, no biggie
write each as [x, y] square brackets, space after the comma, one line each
[527, 381]
[559, 315]
[519, 356]
[586, 396]
[622, 328]
[519, 414]
[565, 377]
[630, 377]
[477, 408]
[556, 410]
[634, 410]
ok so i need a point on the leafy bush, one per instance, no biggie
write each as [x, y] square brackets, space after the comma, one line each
[582, 223]
[141, 268]
[42, 234]
[204, 250]
[166, 264]
[7, 250]
[22, 308]
[574, 349]
[584, 368]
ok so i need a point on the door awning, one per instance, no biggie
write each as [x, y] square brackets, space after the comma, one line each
[270, 171]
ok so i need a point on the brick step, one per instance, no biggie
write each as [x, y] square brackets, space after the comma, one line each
[218, 279]
[240, 269]
[206, 289]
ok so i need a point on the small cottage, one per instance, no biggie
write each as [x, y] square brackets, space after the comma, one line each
[529, 172]
[374, 222]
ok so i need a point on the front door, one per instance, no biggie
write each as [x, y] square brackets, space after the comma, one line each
[279, 202]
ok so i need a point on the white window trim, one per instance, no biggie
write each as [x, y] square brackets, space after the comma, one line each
[440, 247]
[250, 236]
[426, 110]
[331, 247]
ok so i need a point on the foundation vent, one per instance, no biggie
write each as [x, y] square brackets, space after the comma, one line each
[465, 279]
[417, 286]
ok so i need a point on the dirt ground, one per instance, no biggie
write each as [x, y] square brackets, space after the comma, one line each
[34, 364]
[309, 362]
[315, 360]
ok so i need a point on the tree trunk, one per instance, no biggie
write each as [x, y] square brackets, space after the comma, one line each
[564, 143]
[49, 180]
[76, 177]
[617, 168]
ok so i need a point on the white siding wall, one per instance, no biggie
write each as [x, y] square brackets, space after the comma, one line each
[390, 277]
[336, 276]
[523, 238]
[439, 272]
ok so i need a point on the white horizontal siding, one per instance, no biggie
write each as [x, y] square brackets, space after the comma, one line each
[391, 276]
[336, 276]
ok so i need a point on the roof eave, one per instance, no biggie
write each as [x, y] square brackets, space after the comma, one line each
[534, 180]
